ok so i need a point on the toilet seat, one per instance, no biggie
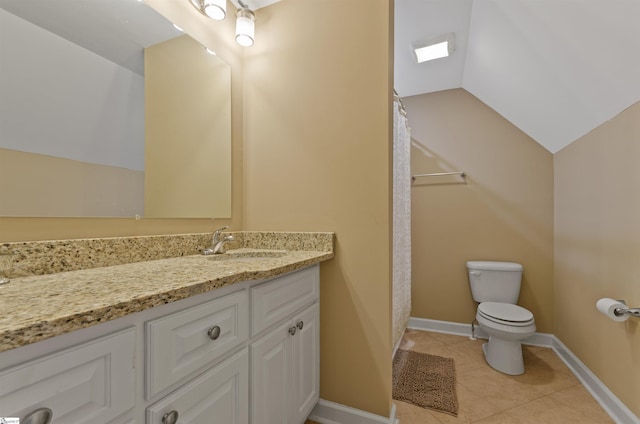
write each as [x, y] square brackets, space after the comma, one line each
[505, 314]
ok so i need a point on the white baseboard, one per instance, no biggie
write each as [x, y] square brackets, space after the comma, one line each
[609, 402]
[327, 412]
[601, 393]
[459, 329]
[447, 327]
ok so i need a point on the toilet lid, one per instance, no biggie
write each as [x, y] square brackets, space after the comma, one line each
[505, 312]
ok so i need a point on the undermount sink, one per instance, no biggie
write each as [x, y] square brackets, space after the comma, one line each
[246, 256]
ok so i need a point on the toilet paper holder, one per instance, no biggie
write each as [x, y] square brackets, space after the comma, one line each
[626, 311]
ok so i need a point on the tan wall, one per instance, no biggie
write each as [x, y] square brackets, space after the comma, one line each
[504, 211]
[65, 187]
[187, 131]
[220, 37]
[317, 132]
[597, 248]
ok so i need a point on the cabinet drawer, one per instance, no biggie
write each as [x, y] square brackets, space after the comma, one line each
[180, 343]
[277, 299]
[220, 395]
[90, 383]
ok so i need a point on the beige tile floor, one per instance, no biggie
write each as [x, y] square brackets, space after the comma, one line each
[547, 393]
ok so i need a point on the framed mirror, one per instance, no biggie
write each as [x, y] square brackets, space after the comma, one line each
[108, 110]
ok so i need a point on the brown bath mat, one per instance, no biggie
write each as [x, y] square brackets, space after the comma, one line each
[425, 380]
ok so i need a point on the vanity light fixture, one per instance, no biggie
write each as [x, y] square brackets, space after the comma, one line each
[434, 48]
[214, 9]
[245, 25]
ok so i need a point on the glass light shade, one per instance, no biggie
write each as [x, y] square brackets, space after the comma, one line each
[215, 9]
[245, 27]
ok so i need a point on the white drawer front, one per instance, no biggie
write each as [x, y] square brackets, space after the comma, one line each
[179, 344]
[280, 298]
[220, 395]
[91, 383]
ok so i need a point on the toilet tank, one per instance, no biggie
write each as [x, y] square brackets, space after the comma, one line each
[495, 281]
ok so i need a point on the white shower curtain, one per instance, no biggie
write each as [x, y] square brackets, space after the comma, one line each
[401, 262]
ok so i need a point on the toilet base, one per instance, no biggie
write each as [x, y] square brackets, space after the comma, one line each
[504, 355]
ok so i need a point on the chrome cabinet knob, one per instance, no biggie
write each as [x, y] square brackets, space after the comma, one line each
[300, 324]
[39, 416]
[214, 332]
[170, 417]
[292, 330]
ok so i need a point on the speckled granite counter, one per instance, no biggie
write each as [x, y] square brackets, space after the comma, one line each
[54, 256]
[44, 306]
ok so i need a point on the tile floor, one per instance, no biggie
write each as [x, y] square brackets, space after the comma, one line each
[548, 393]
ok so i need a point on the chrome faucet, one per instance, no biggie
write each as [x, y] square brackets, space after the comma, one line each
[218, 242]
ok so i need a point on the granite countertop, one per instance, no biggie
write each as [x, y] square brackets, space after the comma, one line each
[45, 306]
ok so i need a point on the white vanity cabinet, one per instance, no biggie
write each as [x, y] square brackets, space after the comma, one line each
[246, 352]
[89, 383]
[285, 362]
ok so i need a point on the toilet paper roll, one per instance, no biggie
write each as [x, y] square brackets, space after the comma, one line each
[606, 306]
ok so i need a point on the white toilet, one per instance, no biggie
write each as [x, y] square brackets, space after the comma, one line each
[496, 286]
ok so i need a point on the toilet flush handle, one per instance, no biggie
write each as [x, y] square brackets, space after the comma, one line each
[476, 273]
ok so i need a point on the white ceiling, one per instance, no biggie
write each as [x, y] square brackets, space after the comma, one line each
[254, 4]
[115, 29]
[554, 68]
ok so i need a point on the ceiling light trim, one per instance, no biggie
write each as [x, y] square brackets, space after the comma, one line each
[254, 4]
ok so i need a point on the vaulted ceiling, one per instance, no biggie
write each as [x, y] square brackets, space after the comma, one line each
[556, 69]
[116, 29]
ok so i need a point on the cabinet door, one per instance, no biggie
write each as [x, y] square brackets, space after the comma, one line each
[272, 372]
[91, 383]
[306, 388]
[219, 396]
